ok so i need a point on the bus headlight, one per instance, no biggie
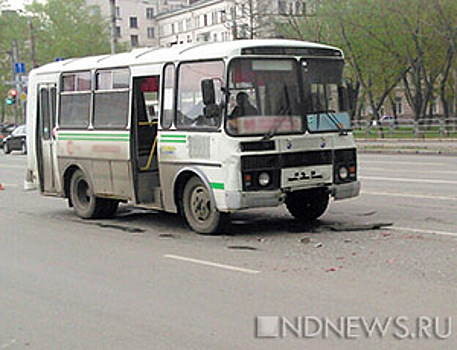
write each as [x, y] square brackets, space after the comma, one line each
[343, 173]
[264, 179]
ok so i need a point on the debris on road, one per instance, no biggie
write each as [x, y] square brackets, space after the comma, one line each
[318, 245]
[166, 235]
[358, 226]
[305, 240]
[242, 247]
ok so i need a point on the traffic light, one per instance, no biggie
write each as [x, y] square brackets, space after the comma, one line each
[12, 97]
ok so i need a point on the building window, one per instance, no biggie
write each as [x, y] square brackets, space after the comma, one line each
[282, 7]
[118, 31]
[215, 37]
[151, 33]
[134, 40]
[150, 13]
[133, 22]
[398, 106]
[118, 12]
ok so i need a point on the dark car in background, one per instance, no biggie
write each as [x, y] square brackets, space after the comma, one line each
[5, 130]
[16, 141]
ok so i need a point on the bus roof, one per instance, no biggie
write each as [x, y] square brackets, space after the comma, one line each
[189, 52]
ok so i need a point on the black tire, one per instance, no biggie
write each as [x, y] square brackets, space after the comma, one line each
[109, 207]
[308, 205]
[85, 204]
[199, 209]
[6, 148]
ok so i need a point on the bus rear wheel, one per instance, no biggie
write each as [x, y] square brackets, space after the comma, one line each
[199, 209]
[308, 205]
[85, 203]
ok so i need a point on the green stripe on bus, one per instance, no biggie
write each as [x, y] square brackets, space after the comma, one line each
[80, 138]
[217, 185]
[174, 136]
[93, 134]
[172, 141]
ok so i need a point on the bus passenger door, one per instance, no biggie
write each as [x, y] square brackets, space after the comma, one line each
[144, 127]
[46, 143]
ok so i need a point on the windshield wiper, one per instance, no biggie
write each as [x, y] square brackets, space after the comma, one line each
[287, 109]
[331, 116]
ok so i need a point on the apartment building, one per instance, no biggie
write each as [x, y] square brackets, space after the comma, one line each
[143, 23]
[136, 22]
[224, 20]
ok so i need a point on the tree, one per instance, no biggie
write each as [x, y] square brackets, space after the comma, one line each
[390, 43]
[250, 19]
[13, 28]
[68, 28]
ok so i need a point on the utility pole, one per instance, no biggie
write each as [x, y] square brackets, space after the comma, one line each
[14, 59]
[112, 4]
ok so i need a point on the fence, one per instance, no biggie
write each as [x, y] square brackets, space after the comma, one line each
[406, 128]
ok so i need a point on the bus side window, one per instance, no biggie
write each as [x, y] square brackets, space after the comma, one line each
[168, 96]
[75, 100]
[111, 98]
[190, 106]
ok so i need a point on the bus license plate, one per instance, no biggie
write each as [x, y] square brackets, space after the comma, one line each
[292, 177]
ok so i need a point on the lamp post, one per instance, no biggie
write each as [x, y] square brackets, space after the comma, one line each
[112, 4]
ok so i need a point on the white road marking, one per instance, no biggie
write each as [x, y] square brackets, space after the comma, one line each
[13, 166]
[397, 179]
[209, 263]
[387, 162]
[433, 232]
[9, 185]
[408, 195]
[429, 171]
[7, 345]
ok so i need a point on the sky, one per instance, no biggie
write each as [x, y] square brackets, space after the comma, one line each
[18, 4]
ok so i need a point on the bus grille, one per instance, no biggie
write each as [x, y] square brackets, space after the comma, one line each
[287, 160]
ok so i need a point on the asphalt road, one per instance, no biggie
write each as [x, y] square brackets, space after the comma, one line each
[144, 281]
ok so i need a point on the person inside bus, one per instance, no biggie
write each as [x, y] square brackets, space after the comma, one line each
[243, 108]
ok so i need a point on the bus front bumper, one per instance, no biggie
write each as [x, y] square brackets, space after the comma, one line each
[344, 191]
[236, 200]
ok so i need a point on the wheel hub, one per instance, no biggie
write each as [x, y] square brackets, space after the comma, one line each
[201, 204]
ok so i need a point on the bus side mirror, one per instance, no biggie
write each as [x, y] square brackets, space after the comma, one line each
[208, 92]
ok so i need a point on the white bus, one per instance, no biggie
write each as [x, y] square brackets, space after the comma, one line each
[204, 130]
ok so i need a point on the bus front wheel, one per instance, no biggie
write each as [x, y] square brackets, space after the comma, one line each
[85, 203]
[308, 205]
[199, 209]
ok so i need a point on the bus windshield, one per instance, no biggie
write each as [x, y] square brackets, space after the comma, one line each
[324, 96]
[264, 97]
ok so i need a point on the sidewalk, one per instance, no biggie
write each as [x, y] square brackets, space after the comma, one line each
[408, 146]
